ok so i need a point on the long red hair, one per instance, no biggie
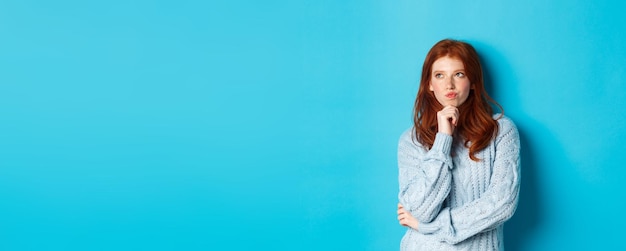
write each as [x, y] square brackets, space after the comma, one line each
[476, 124]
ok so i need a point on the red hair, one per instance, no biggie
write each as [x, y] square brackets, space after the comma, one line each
[476, 124]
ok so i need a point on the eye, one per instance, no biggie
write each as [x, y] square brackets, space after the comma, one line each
[438, 75]
[460, 74]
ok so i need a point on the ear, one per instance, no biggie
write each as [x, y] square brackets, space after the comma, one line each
[430, 87]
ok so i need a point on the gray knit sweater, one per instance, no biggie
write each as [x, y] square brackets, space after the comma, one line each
[460, 204]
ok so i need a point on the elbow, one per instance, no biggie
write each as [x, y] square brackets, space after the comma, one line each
[511, 205]
[510, 210]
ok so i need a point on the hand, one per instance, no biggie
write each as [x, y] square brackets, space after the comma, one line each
[447, 119]
[405, 218]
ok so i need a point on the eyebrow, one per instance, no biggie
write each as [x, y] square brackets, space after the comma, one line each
[452, 71]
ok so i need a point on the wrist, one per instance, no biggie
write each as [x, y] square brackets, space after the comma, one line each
[444, 131]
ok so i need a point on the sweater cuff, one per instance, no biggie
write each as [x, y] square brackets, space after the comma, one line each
[443, 143]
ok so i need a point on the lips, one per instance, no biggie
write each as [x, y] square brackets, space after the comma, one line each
[450, 95]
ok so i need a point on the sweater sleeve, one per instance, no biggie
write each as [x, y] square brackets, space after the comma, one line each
[495, 206]
[424, 176]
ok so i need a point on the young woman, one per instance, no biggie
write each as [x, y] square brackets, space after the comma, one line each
[459, 164]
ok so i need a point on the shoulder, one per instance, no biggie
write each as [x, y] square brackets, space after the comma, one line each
[408, 143]
[504, 122]
[409, 149]
[407, 134]
[408, 139]
[506, 128]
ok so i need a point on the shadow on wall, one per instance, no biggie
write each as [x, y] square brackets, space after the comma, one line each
[528, 214]
[498, 73]
[539, 147]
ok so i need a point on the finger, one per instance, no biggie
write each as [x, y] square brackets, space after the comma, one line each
[456, 116]
[449, 112]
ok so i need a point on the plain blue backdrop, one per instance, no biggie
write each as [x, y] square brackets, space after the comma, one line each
[273, 125]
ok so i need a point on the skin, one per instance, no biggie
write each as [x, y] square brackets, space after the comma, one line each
[405, 218]
[451, 88]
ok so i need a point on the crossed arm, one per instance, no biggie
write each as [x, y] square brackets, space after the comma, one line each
[454, 225]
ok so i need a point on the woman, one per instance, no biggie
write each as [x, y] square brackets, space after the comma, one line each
[459, 164]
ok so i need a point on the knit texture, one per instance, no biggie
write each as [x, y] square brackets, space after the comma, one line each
[460, 204]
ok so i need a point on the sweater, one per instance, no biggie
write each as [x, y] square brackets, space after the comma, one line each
[460, 204]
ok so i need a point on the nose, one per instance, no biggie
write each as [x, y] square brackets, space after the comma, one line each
[450, 84]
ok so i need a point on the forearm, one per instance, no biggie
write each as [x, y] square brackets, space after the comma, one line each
[425, 181]
[454, 225]
[496, 205]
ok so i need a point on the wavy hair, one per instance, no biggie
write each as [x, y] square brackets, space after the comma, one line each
[476, 124]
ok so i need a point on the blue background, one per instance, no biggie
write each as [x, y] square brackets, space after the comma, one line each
[273, 125]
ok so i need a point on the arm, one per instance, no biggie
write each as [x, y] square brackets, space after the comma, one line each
[424, 176]
[495, 206]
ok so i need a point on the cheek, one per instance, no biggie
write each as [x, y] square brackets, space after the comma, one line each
[467, 86]
[435, 85]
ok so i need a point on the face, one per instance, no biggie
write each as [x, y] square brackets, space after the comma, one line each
[449, 82]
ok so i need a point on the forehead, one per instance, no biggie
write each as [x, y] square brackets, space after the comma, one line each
[448, 63]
